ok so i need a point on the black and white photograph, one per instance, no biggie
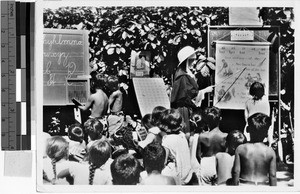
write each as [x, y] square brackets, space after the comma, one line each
[165, 97]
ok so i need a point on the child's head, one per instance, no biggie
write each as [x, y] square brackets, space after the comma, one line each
[257, 90]
[113, 83]
[156, 114]
[171, 121]
[147, 121]
[94, 128]
[154, 157]
[125, 170]
[233, 140]
[98, 154]
[57, 148]
[197, 123]
[212, 116]
[258, 126]
[75, 133]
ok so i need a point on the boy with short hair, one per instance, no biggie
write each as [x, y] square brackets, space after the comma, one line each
[255, 163]
[225, 159]
[154, 158]
[209, 144]
[125, 170]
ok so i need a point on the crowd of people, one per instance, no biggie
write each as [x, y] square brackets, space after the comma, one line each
[183, 144]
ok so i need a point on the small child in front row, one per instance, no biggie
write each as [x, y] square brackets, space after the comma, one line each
[224, 160]
[57, 160]
[258, 104]
[97, 171]
[153, 131]
[76, 141]
[255, 163]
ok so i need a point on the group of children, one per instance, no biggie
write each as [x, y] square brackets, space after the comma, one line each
[91, 154]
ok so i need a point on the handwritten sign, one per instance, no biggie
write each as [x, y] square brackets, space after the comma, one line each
[238, 65]
[65, 56]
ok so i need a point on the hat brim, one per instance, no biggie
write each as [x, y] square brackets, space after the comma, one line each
[187, 57]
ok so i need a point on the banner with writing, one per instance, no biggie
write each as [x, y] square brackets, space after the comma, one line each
[238, 65]
[65, 56]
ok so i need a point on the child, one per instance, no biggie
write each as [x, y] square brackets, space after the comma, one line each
[258, 103]
[154, 158]
[153, 131]
[97, 171]
[255, 163]
[176, 142]
[224, 160]
[125, 170]
[94, 130]
[57, 150]
[115, 101]
[76, 141]
[98, 101]
[209, 144]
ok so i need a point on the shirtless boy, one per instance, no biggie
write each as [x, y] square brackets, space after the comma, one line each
[255, 163]
[225, 159]
[209, 144]
[98, 101]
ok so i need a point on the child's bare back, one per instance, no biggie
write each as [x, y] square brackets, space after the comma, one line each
[254, 163]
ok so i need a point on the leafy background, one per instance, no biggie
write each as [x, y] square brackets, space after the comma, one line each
[115, 31]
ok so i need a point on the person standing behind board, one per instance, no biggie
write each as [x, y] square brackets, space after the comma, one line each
[185, 88]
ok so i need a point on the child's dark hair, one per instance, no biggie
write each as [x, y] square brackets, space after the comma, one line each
[156, 114]
[212, 117]
[98, 154]
[75, 133]
[197, 123]
[125, 170]
[257, 90]
[99, 82]
[234, 139]
[154, 157]
[57, 148]
[147, 121]
[94, 128]
[112, 84]
[171, 121]
[258, 126]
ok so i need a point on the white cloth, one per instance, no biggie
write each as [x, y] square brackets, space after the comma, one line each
[193, 149]
[179, 148]
[80, 173]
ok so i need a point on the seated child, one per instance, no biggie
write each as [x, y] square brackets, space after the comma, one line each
[209, 144]
[224, 160]
[97, 170]
[125, 170]
[154, 158]
[153, 131]
[76, 141]
[94, 130]
[258, 104]
[255, 163]
[175, 141]
[57, 151]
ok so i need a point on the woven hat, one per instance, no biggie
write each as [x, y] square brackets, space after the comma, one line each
[185, 53]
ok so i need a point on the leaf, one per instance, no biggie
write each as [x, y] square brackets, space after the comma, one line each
[153, 45]
[199, 66]
[193, 22]
[151, 37]
[118, 50]
[211, 59]
[110, 51]
[124, 35]
[211, 65]
[110, 33]
[198, 32]
[123, 50]
[151, 25]
[202, 57]
[146, 28]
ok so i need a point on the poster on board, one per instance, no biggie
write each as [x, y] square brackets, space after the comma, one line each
[238, 65]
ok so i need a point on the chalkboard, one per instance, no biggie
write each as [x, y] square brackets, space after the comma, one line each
[65, 56]
[261, 34]
[79, 89]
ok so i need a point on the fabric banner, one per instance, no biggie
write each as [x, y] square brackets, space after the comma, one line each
[238, 65]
